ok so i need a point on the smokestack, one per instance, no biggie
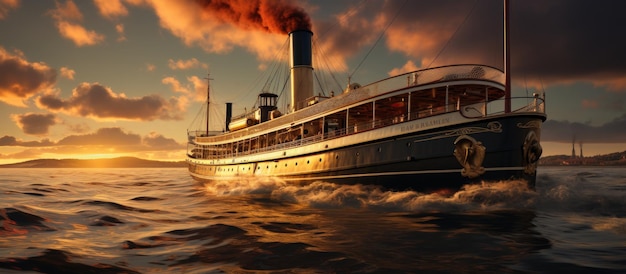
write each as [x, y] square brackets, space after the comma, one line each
[229, 114]
[301, 68]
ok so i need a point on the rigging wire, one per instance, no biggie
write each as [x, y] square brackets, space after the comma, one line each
[260, 76]
[379, 38]
[323, 59]
[350, 12]
[453, 34]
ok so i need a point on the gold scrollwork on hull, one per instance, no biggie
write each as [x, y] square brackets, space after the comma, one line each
[495, 127]
[491, 127]
[530, 124]
[532, 152]
[470, 154]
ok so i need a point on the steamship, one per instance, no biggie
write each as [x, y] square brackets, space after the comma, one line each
[434, 128]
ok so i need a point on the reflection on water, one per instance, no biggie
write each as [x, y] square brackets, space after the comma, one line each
[151, 220]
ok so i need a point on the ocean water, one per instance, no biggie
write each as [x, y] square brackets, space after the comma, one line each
[162, 221]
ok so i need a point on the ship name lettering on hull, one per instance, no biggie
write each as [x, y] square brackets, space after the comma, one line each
[425, 124]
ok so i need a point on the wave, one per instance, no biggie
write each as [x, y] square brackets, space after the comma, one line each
[53, 261]
[488, 195]
[17, 222]
[584, 193]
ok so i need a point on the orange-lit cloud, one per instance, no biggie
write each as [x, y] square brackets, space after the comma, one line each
[199, 88]
[69, 11]
[111, 8]
[20, 79]
[150, 67]
[105, 136]
[6, 6]
[67, 73]
[186, 64]
[66, 16]
[112, 140]
[120, 31]
[615, 83]
[408, 66]
[12, 141]
[77, 128]
[97, 101]
[590, 104]
[113, 136]
[175, 85]
[78, 34]
[158, 141]
[34, 123]
[195, 88]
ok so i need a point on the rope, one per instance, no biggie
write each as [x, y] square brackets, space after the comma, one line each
[453, 34]
[379, 38]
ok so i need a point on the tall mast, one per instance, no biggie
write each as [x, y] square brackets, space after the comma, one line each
[507, 60]
[208, 96]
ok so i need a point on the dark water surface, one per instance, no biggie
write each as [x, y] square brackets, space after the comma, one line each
[161, 221]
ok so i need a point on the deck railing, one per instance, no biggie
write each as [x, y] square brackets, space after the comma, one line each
[402, 81]
[535, 104]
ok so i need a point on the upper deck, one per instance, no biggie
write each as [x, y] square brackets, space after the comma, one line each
[421, 93]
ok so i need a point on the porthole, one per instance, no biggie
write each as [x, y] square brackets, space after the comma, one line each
[320, 160]
[308, 162]
[380, 149]
[296, 163]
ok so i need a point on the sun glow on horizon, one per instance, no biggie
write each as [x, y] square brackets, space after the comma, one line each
[174, 157]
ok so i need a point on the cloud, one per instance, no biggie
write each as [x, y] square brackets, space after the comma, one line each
[20, 79]
[195, 87]
[409, 66]
[175, 85]
[78, 34]
[12, 141]
[34, 123]
[69, 11]
[564, 131]
[97, 101]
[103, 137]
[550, 44]
[67, 17]
[590, 104]
[158, 141]
[186, 64]
[113, 140]
[113, 137]
[68, 73]
[111, 8]
[78, 128]
[120, 31]
[150, 67]
[6, 6]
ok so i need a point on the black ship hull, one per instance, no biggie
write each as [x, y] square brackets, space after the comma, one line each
[504, 148]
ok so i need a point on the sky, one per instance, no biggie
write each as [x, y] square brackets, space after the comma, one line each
[109, 78]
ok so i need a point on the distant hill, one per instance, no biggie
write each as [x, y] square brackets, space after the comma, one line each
[121, 162]
[612, 159]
